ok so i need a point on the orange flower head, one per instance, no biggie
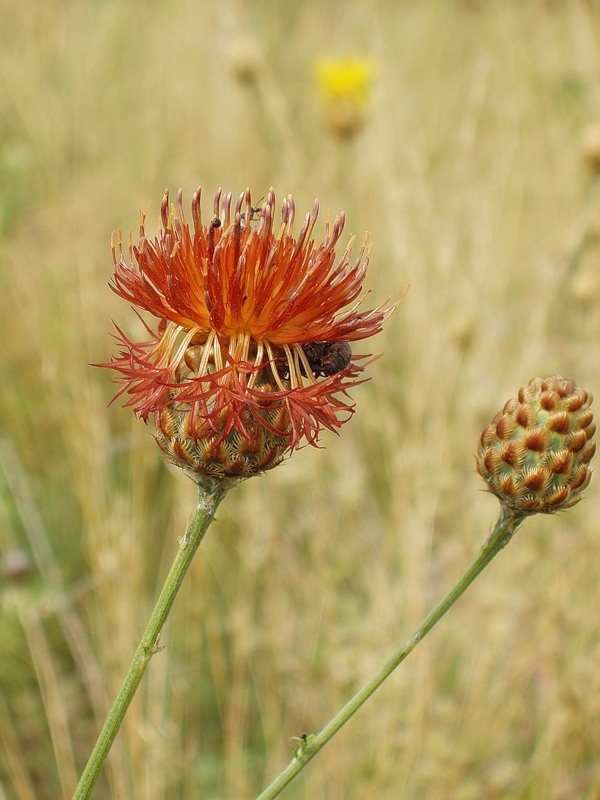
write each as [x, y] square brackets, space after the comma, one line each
[251, 356]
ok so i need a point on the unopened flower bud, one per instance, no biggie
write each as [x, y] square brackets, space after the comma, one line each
[535, 454]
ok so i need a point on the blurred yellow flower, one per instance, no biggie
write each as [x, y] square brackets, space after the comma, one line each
[345, 87]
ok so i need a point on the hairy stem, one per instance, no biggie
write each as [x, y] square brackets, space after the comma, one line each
[309, 746]
[208, 500]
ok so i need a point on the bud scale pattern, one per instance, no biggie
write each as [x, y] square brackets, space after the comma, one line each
[535, 454]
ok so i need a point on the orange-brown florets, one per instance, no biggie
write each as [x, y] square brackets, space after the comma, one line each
[535, 454]
[242, 311]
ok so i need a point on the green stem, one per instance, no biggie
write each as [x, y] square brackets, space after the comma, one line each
[208, 500]
[309, 746]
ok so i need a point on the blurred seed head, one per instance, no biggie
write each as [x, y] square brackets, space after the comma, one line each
[535, 454]
[585, 286]
[462, 329]
[245, 60]
[590, 146]
[16, 566]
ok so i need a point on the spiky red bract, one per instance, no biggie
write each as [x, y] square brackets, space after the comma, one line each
[236, 299]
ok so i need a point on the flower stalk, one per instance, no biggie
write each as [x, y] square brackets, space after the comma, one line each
[309, 746]
[209, 497]
[249, 359]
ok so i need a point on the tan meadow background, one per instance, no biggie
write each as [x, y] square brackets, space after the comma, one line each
[474, 172]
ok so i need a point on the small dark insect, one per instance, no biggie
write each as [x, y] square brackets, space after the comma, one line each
[327, 358]
[215, 222]
[324, 358]
[254, 213]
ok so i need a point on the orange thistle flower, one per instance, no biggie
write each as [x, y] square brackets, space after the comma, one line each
[253, 331]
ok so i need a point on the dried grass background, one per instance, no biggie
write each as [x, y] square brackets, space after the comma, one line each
[469, 173]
